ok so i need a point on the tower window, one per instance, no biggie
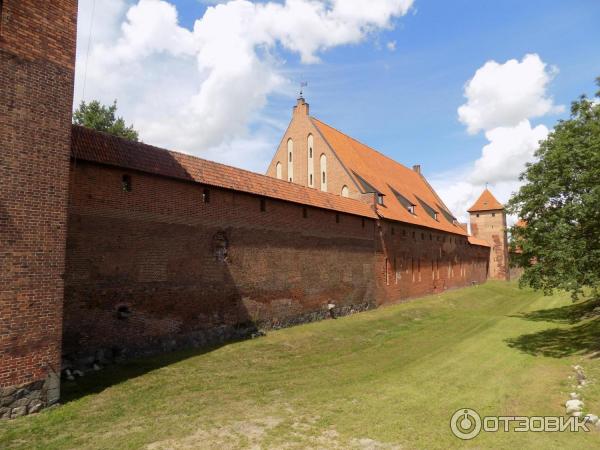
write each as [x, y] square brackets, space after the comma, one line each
[263, 204]
[493, 214]
[310, 152]
[323, 178]
[311, 179]
[126, 183]
[278, 170]
[477, 215]
[290, 156]
[206, 196]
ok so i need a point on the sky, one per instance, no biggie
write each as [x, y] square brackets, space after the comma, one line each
[465, 88]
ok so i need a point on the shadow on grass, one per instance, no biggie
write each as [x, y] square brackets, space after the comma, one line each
[582, 338]
[570, 314]
[95, 382]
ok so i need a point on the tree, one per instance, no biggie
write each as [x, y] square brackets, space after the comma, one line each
[103, 118]
[560, 204]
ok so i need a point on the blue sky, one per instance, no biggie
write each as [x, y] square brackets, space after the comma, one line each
[401, 101]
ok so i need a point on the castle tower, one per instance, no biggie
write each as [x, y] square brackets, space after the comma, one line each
[488, 222]
[37, 58]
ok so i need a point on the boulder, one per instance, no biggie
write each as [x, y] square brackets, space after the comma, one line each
[591, 419]
[5, 413]
[18, 412]
[574, 396]
[573, 406]
[35, 406]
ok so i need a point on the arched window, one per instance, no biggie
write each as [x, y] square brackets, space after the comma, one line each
[290, 146]
[323, 166]
[345, 191]
[278, 170]
[310, 161]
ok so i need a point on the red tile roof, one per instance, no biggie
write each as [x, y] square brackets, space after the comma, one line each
[98, 147]
[486, 202]
[390, 177]
[476, 241]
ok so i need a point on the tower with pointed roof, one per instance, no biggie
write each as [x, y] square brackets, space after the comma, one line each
[488, 222]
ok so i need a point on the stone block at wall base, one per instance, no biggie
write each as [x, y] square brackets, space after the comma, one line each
[30, 398]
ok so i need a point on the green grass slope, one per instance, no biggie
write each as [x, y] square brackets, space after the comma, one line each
[389, 378]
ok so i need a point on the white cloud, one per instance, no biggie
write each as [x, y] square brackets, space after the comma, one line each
[200, 90]
[391, 46]
[505, 94]
[509, 148]
[501, 98]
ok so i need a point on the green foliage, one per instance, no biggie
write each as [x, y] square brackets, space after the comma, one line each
[103, 118]
[560, 203]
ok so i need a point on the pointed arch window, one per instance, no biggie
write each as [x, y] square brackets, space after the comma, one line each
[345, 191]
[323, 168]
[310, 161]
[290, 150]
[278, 170]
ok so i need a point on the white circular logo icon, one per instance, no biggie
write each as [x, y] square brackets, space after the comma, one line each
[465, 424]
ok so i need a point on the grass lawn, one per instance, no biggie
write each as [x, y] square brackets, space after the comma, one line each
[389, 378]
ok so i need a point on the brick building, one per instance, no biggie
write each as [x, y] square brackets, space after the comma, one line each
[165, 250]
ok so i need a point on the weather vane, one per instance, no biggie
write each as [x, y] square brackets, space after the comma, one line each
[303, 84]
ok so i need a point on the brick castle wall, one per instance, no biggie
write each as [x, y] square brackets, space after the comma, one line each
[37, 52]
[157, 268]
[180, 267]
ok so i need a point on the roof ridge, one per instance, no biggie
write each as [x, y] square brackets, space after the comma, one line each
[363, 144]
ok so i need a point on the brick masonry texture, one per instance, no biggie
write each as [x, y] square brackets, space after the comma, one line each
[180, 266]
[37, 52]
[491, 227]
[157, 268]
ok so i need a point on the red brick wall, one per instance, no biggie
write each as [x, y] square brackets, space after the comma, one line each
[37, 52]
[155, 251]
[421, 261]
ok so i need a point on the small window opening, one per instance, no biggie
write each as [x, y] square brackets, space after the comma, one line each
[413, 235]
[310, 152]
[126, 183]
[323, 178]
[290, 156]
[123, 311]
[435, 216]
[263, 204]
[379, 199]
[363, 223]
[411, 209]
[337, 218]
[477, 215]
[304, 212]
[393, 231]
[311, 179]
[493, 214]
[206, 196]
